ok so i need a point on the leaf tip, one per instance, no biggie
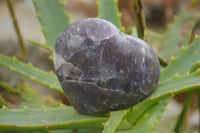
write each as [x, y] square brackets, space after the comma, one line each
[198, 71]
[14, 57]
[196, 36]
[183, 48]
[187, 73]
[63, 3]
[44, 107]
[172, 58]
[32, 78]
[4, 107]
[172, 93]
[36, 15]
[46, 42]
[51, 72]
[116, 1]
[42, 29]
[25, 107]
[30, 64]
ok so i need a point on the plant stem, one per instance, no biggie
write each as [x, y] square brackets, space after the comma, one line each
[12, 13]
[140, 19]
[183, 112]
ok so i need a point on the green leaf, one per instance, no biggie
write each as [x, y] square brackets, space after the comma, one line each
[177, 85]
[52, 17]
[195, 67]
[151, 116]
[2, 102]
[31, 98]
[134, 32]
[60, 131]
[90, 130]
[50, 48]
[27, 70]
[138, 110]
[198, 97]
[173, 40]
[108, 10]
[7, 87]
[170, 85]
[167, 88]
[28, 96]
[183, 62]
[183, 112]
[142, 129]
[148, 109]
[84, 130]
[63, 117]
[114, 120]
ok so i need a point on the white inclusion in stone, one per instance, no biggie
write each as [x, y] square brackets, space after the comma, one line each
[78, 29]
[121, 71]
[143, 51]
[135, 83]
[75, 41]
[58, 60]
[57, 41]
[143, 59]
[149, 80]
[135, 61]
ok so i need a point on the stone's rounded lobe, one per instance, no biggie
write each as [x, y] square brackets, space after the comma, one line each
[102, 69]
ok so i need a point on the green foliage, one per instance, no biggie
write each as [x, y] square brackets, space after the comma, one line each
[142, 129]
[29, 119]
[29, 71]
[30, 97]
[50, 48]
[184, 61]
[183, 112]
[7, 87]
[108, 10]
[173, 41]
[137, 112]
[113, 122]
[52, 17]
[2, 102]
[176, 85]
[151, 116]
[181, 75]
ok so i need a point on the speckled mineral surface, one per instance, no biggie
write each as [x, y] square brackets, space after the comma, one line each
[102, 69]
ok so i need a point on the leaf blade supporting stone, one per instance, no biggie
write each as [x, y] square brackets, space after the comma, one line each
[63, 117]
